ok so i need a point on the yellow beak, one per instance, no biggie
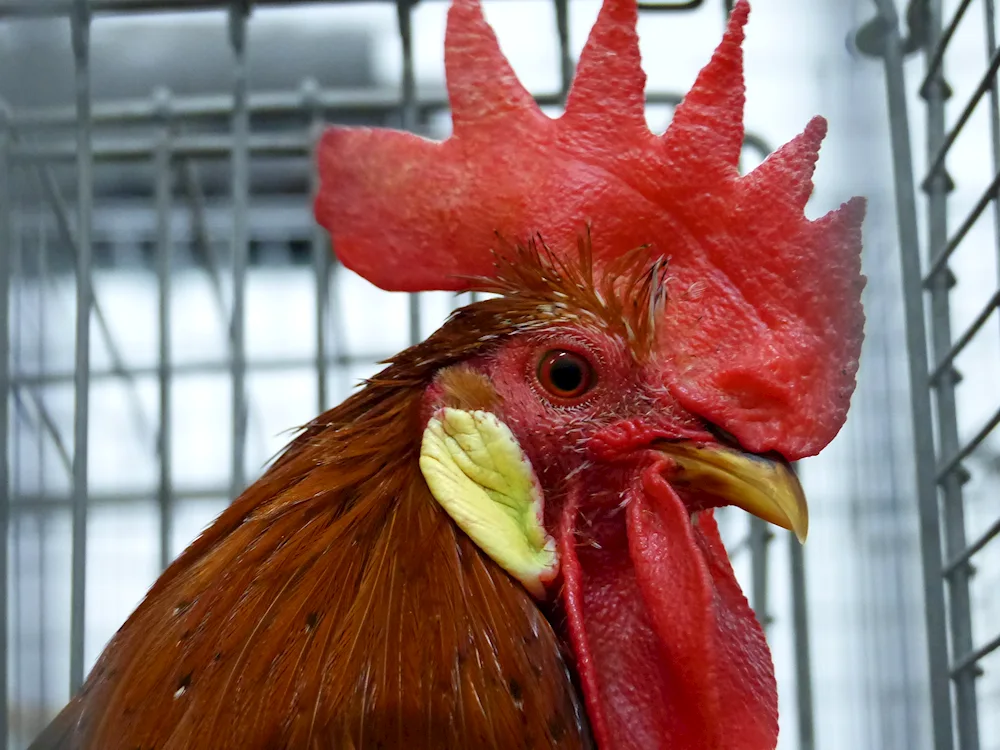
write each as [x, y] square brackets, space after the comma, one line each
[765, 487]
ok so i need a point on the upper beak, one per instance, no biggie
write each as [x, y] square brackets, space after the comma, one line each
[765, 487]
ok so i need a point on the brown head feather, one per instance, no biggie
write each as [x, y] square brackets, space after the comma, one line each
[626, 299]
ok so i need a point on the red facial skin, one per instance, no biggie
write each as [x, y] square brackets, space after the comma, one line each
[561, 435]
[668, 652]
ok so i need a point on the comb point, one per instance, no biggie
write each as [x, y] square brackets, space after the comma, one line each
[482, 87]
[846, 221]
[708, 124]
[786, 175]
[608, 93]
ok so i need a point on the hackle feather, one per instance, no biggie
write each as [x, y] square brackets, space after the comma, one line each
[334, 604]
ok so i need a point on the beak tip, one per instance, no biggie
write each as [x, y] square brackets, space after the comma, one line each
[799, 524]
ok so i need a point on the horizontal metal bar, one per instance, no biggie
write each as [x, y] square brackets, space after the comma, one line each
[971, 659]
[304, 101]
[968, 448]
[123, 111]
[972, 549]
[941, 259]
[681, 5]
[118, 149]
[935, 62]
[966, 337]
[48, 8]
[952, 136]
[45, 8]
[49, 502]
[204, 367]
[217, 146]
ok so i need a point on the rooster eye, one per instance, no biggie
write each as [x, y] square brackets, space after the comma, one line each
[565, 374]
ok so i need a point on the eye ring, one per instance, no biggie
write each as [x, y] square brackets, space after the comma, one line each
[565, 374]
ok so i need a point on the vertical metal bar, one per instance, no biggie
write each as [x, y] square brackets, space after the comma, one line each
[5, 209]
[241, 240]
[800, 639]
[408, 110]
[760, 540]
[800, 635]
[565, 59]
[13, 725]
[320, 249]
[937, 187]
[12, 245]
[42, 522]
[408, 117]
[163, 174]
[80, 22]
[989, 9]
[920, 397]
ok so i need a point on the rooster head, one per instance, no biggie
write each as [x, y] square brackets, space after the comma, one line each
[663, 336]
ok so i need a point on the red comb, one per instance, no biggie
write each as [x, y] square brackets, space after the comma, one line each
[763, 324]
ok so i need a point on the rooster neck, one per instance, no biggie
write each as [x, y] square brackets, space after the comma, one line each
[334, 604]
[359, 453]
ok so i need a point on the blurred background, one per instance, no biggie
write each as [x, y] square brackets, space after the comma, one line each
[169, 313]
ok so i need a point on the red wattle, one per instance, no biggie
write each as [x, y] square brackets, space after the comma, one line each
[669, 652]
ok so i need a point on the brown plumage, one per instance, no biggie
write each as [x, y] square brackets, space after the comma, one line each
[334, 604]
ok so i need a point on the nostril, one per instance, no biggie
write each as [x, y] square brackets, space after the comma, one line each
[723, 436]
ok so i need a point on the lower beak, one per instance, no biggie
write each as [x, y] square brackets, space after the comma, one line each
[765, 487]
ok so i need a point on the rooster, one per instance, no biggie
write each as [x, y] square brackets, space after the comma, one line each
[505, 539]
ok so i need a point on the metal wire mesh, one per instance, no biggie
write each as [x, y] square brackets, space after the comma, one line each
[952, 297]
[172, 198]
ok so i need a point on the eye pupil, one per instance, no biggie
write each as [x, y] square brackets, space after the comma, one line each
[565, 374]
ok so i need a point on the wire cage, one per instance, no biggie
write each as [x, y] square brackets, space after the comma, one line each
[950, 267]
[169, 310]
